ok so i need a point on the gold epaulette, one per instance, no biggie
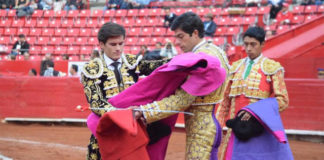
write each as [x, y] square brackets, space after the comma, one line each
[236, 65]
[270, 67]
[93, 69]
[130, 60]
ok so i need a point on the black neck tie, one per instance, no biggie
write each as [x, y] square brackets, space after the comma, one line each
[116, 71]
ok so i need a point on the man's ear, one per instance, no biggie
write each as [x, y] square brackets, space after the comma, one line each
[262, 44]
[195, 33]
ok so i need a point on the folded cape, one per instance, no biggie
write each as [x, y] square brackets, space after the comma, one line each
[272, 144]
[205, 75]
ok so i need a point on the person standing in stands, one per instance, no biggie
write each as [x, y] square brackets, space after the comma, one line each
[284, 16]
[21, 46]
[209, 25]
[276, 6]
[203, 132]
[46, 60]
[169, 17]
[109, 74]
[251, 79]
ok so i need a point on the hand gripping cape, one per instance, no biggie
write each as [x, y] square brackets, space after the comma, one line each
[197, 74]
[272, 144]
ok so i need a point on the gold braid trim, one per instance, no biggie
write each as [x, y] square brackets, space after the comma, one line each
[236, 65]
[93, 69]
[270, 67]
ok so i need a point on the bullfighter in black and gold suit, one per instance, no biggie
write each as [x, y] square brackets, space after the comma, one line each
[111, 73]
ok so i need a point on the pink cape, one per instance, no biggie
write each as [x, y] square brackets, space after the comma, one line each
[205, 75]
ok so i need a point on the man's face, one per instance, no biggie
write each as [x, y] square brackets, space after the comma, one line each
[185, 41]
[252, 46]
[167, 11]
[22, 39]
[113, 48]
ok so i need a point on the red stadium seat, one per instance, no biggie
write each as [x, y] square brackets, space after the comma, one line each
[249, 20]
[43, 41]
[48, 32]
[310, 17]
[154, 40]
[60, 50]
[151, 22]
[68, 40]
[92, 23]
[202, 11]
[271, 27]
[54, 23]
[24, 31]
[179, 11]
[85, 32]
[192, 10]
[11, 13]
[10, 32]
[131, 41]
[156, 12]
[147, 31]
[5, 22]
[143, 41]
[60, 32]
[47, 49]
[4, 40]
[84, 14]
[320, 9]
[264, 10]
[168, 39]
[18, 23]
[3, 13]
[132, 13]
[282, 28]
[298, 9]
[251, 11]
[169, 32]
[80, 23]
[13, 40]
[37, 14]
[55, 41]
[97, 13]
[31, 40]
[74, 58]
[143, 12]
[218, 40]
[48, 14]
[1, 31]
[298, 19]
[310, 9]
[231, 51]
[236, 21]
[42, 23]
[109, 13]
[30, 23]
[129, 22]
[81, 41]
[67, 23]
[135, 31]
[216, 11]
[118, 20]
[223, 21]
[232, 30]
[121, 13]
[93, 41]
[139, 21]
[35, 50]
[85, 50]
[72, 14]
[159, 31]
[60, 14]
[35, 58]
[35, 32]
[73, 32]
[94, 32]
[73, 50]
[224, 12]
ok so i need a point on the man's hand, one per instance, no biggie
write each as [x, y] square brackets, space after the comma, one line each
[137, 114]
[245, 117]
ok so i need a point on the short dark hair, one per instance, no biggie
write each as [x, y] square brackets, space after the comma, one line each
[189, 22]
[159, 43]
[75, 67]
[21, 36]
[255, 32]
[50, 64]
[34, 71]
[110, 30]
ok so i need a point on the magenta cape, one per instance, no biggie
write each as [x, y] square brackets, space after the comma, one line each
[205, 75]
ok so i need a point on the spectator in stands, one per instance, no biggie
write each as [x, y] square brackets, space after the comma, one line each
[82, 57]
[94, 54]
[47, 59]
[169, 17]
[143, 51]
[253, 3]
[307, 2]
[26, 56]
[32, 72]
[74, 70]
[71, 5]
[7, 4]
[320, 73]
[113, 4]
[58, 5]
[154, 54]
[12, 57]
[21, 45]
[50, 72]
[269, 34]
[65, 57]
[23, 9]
[209, 25]
[168, 51]
[284, 16]
[46, 4]
[276, 6]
